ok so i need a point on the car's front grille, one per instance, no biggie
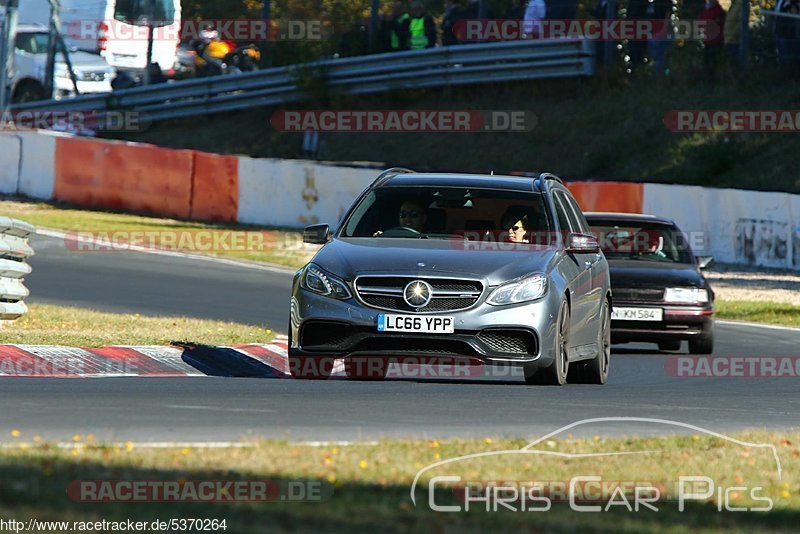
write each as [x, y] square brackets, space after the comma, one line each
[638, 295]
[447, 294]
[509, 341]
[97, 76]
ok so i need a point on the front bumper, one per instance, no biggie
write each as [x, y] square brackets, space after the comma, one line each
[322, 326]
[678, 323]
[64, 86]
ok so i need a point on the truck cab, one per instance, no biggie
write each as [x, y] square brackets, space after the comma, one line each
[27, 80]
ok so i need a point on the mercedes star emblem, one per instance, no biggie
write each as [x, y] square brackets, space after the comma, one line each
[417, 294]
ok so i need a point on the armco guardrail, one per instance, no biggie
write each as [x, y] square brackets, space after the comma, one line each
[14, 254]
[433, 67]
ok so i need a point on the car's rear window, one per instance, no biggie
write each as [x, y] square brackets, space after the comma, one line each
[444, 212]
[649, 242]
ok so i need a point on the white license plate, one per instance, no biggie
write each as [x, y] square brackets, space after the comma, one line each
[637, 314]
[426, 324]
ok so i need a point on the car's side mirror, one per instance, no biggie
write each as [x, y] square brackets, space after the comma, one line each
[317, 234]
[582, 243]
[704, 262]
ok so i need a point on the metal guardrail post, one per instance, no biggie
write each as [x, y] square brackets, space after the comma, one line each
[14, 267]
[7, 51]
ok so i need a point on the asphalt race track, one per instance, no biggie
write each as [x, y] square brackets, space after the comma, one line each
[157, 285]
[225, 409]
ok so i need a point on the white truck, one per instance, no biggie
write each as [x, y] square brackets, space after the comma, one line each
[92, 73]
[99, 26]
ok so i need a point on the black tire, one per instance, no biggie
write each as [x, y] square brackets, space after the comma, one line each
[672, 344]
[701, 345]
[554, 374]
[595, 371]
[28, 91]
[364, 368]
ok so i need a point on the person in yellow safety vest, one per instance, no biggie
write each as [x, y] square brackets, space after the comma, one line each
[422, 28]
[399, 26]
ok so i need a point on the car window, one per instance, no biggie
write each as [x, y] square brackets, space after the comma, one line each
[583, 225]
[32, 43]
[566, 220]
[649, 242]
[445, 212]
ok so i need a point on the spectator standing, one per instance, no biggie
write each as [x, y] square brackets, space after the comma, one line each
[452, 14]
[422, 28]
[401, 20]
[714, 15]
[535, 13]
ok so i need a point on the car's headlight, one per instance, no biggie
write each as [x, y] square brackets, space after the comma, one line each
[686, 295]
[529, 288]
[321, 282]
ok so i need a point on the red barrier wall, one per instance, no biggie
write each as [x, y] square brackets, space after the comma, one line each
[124, 176]
[623, 197]
[215, 188]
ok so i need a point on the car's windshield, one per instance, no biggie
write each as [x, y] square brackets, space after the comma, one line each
[447, 212]
[33, 43]
[650, 242]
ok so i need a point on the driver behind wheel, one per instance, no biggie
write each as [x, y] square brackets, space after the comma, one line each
[413, 214]
[650, 246]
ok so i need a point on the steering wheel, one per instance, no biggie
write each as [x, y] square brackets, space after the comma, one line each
[401, 231]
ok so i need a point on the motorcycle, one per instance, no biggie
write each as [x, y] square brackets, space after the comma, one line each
[225, 57]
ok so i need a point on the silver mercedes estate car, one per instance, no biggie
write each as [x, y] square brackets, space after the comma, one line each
[500, 270]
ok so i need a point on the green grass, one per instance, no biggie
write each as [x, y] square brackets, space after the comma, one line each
[46, 324]
[599, 128]
[272, 246]
[365, 487]
[778, 313]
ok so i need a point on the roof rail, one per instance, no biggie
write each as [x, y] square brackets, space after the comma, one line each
[550, 176]
[388, 173]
